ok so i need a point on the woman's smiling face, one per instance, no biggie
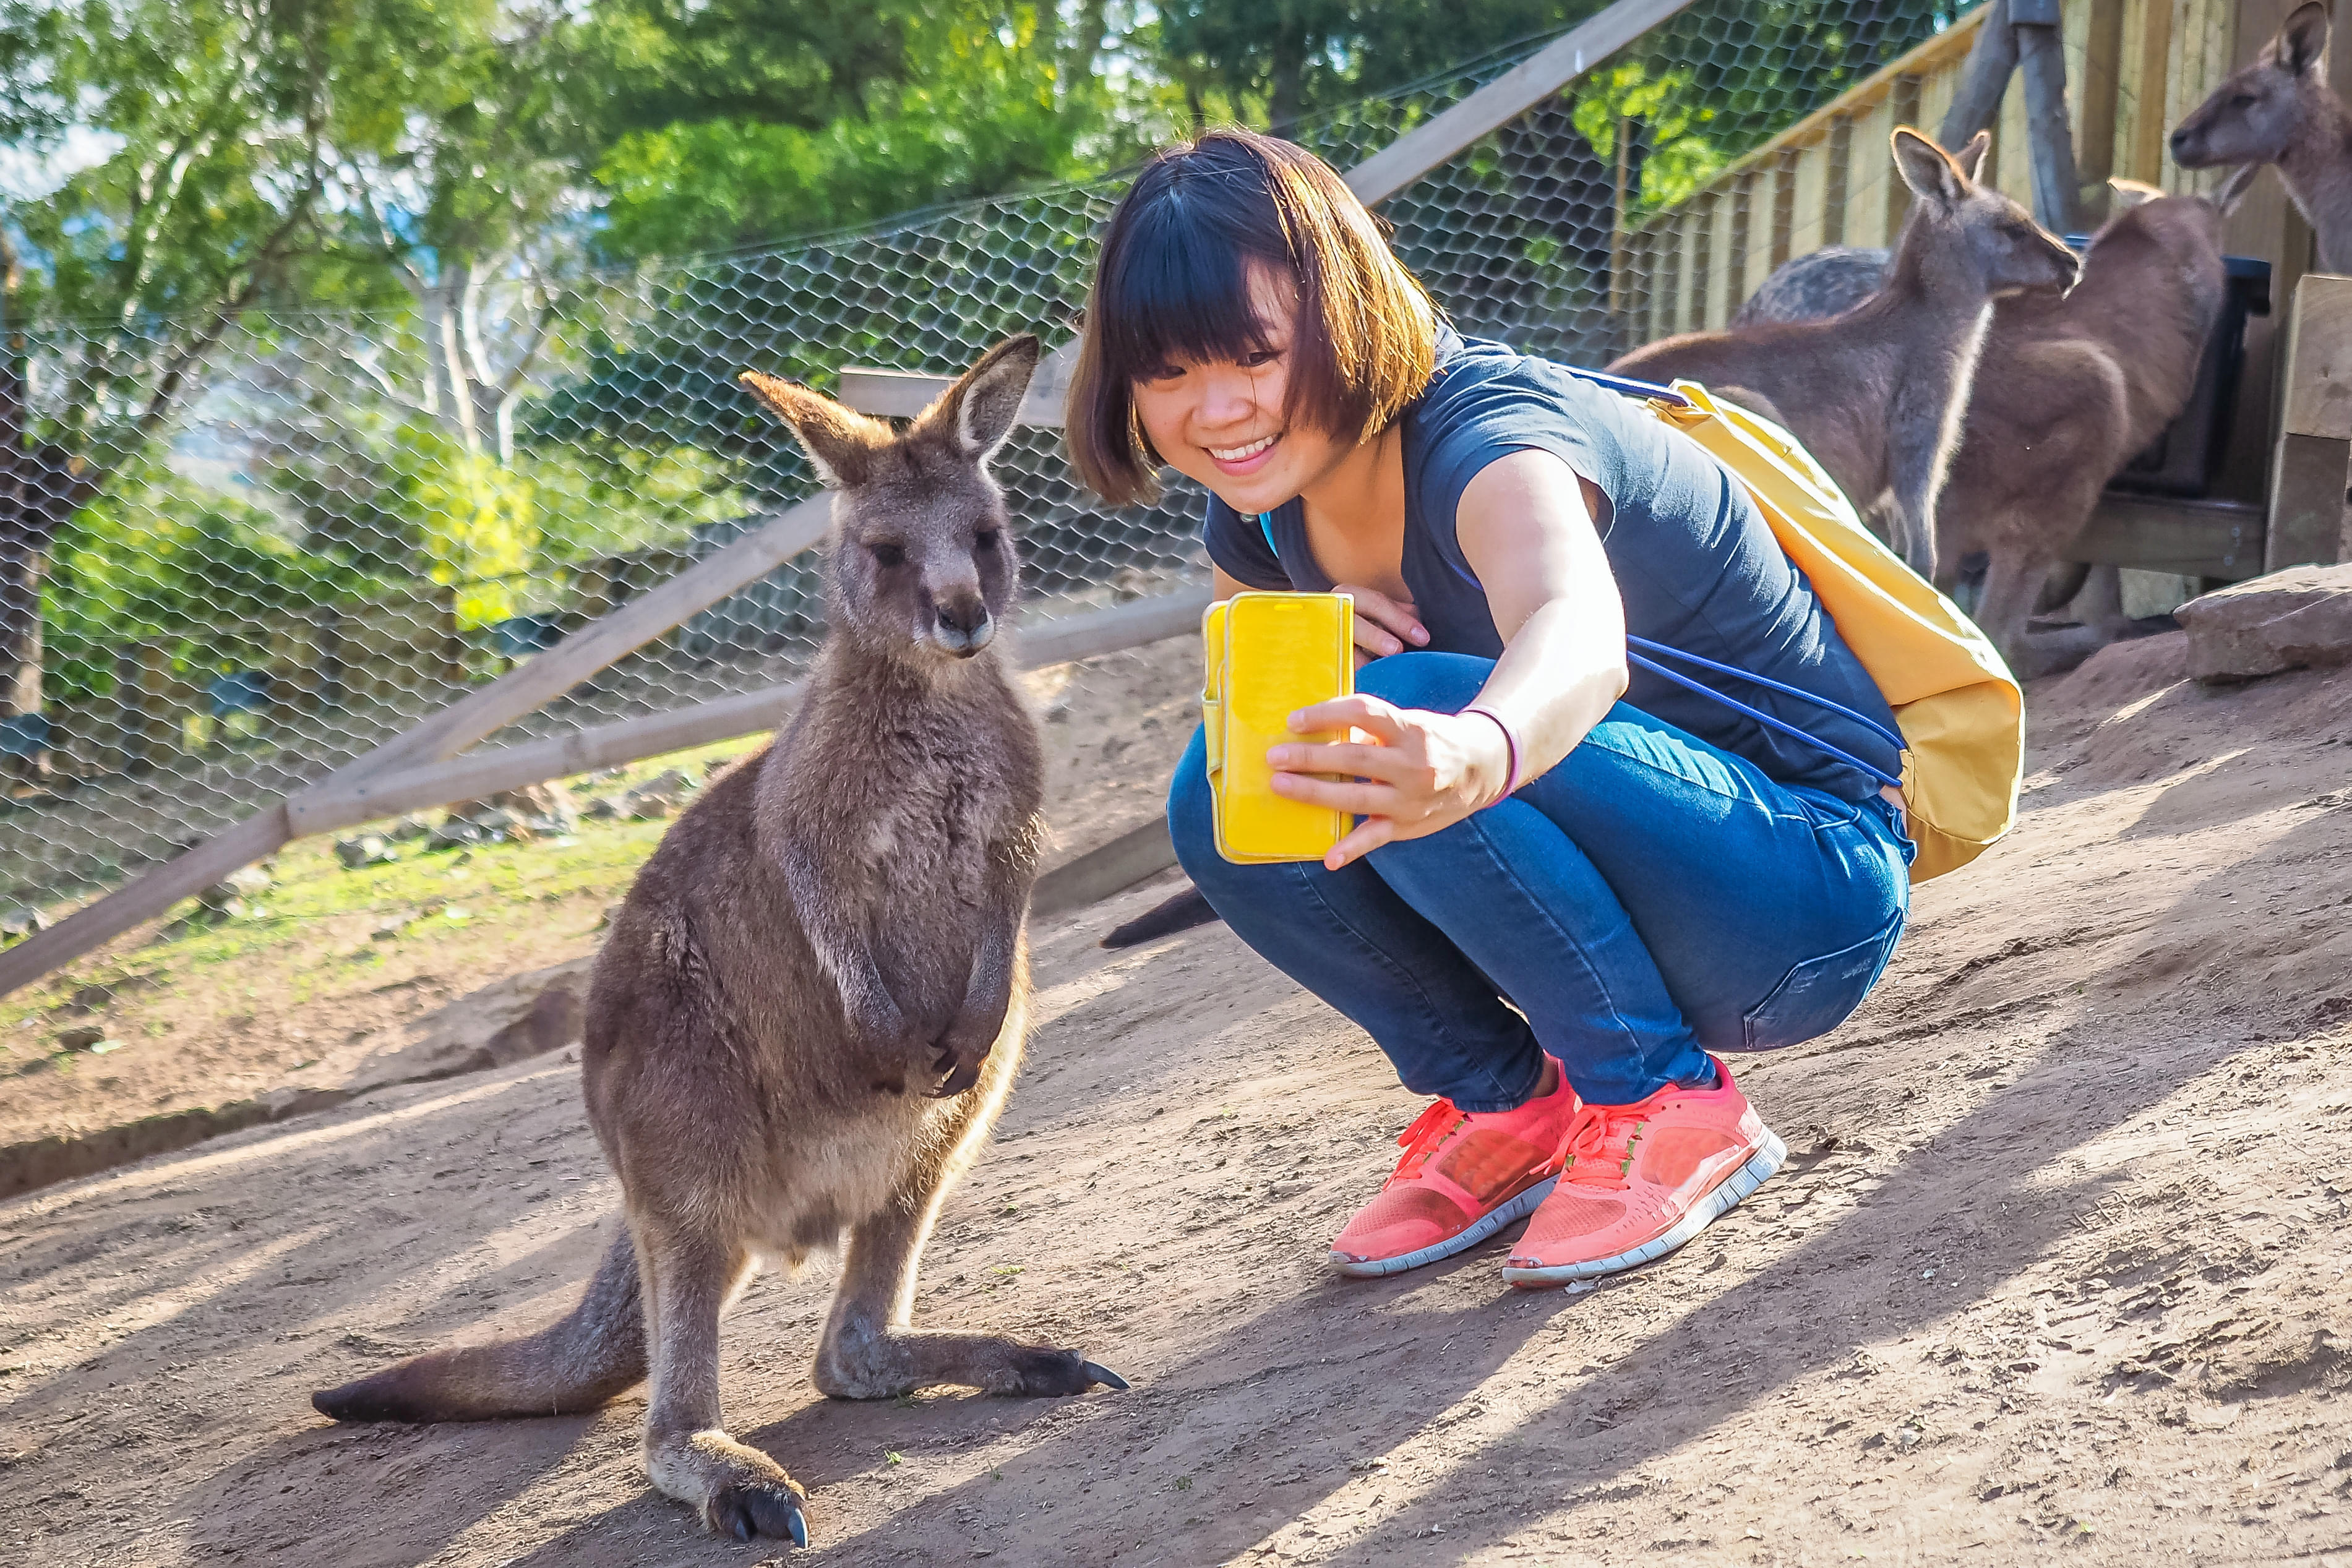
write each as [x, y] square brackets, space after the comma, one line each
[1222, 421]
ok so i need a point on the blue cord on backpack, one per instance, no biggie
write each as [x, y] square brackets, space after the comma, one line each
[1891, 737]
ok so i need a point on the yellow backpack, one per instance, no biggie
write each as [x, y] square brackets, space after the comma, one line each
[1960, 709]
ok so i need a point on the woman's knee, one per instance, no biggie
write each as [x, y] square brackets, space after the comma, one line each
[1446, 682]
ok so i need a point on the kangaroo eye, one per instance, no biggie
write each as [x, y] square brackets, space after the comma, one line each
[887, 556]
[2242, 100]
[986, 538]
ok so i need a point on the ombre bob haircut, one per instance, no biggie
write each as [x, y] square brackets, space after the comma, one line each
[1174, 285]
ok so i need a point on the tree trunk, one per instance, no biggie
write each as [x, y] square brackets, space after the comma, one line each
[25, 531]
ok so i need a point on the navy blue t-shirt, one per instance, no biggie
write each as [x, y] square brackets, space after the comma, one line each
[1695, 562]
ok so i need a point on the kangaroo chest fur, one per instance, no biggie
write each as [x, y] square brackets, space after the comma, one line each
[916, 799]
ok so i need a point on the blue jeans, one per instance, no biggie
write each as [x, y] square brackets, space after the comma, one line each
[1647, 901]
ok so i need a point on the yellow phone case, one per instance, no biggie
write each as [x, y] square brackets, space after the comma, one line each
[1268, 656]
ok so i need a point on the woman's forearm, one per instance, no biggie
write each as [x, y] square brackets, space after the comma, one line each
[1557, 678]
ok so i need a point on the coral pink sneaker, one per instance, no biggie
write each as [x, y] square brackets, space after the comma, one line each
[1464, 1176]
[1640, 1180]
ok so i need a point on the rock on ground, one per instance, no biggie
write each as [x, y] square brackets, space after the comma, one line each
[2297, 618]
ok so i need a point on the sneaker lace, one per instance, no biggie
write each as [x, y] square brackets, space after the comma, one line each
[1599, 1148]
[1429, 1129]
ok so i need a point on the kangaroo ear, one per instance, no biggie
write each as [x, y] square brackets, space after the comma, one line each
[1926, 168]
[2304, 38]
[841, 441]
[977, 414]
[1972, 158]
[2130, 194]
[2231, 191]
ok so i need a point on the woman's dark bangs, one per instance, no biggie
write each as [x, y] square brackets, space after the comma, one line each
[1179, 289]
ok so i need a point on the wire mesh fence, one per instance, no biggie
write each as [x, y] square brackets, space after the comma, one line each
[273, 543]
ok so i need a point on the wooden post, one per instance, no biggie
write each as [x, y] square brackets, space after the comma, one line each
[1837, 177]
[1903, 105]
[1983, 80]
[2266, 226]
[2308, 500]
[2103, 55]
[2050, 132]
[2152, 125]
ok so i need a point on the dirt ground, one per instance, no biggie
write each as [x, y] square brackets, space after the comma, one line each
[2058, 1264]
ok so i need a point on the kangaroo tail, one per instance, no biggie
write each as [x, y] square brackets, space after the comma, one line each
[1181, 913]
[577, 1362]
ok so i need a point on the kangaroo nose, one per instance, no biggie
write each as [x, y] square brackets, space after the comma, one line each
[965, 626]
[2180, 140]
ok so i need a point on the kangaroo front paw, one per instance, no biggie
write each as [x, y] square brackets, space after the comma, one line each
[1040, 1373]
[738, 1490]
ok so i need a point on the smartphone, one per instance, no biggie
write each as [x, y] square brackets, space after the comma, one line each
[1268, 656]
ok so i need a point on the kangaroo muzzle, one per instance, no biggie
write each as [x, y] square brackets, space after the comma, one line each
[961, 625]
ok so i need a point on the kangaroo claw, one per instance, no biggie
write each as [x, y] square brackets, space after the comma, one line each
[1104, 1375]
[745, 1510]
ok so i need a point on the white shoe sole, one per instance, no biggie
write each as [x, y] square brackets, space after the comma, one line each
[1511, 1213]
[1761, 1164]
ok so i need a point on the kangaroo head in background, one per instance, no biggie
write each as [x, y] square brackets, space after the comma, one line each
[1968, 235]
[2258, 113]
[922, 563]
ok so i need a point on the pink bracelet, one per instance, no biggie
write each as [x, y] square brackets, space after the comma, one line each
[1511, 779]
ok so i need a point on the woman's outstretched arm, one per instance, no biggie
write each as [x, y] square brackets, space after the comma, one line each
[1525, 527]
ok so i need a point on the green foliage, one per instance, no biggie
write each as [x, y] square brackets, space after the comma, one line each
[915, 103]
[713, 184]
[405, 500]
[1279, 61]
[157, 554]
[1681, 154]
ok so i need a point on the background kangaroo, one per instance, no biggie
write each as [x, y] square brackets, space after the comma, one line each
[2066, 391]
[1876, 394]
[2280, 109]
[810, 1009]
[2069, 391]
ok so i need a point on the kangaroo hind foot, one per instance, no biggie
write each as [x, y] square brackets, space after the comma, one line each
[869, 1352]
[736, 1489]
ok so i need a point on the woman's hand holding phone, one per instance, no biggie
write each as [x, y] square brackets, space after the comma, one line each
[1406, 772]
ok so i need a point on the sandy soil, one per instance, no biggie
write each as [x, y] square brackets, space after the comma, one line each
[2059, 1261]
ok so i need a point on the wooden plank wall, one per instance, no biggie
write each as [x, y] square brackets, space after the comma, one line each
[2133, 66]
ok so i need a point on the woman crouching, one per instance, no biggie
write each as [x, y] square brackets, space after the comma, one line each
[1567, 892]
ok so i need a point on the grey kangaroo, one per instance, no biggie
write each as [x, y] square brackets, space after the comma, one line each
[2069, 390]
[2280, 110]
[1876, 394]
[2066, 390]
[810, 1009]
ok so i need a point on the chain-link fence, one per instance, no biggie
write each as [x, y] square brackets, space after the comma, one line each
[275, 550]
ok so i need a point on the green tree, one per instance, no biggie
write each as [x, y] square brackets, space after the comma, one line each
[211, 115]
[1279, 61]
[745, 120]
